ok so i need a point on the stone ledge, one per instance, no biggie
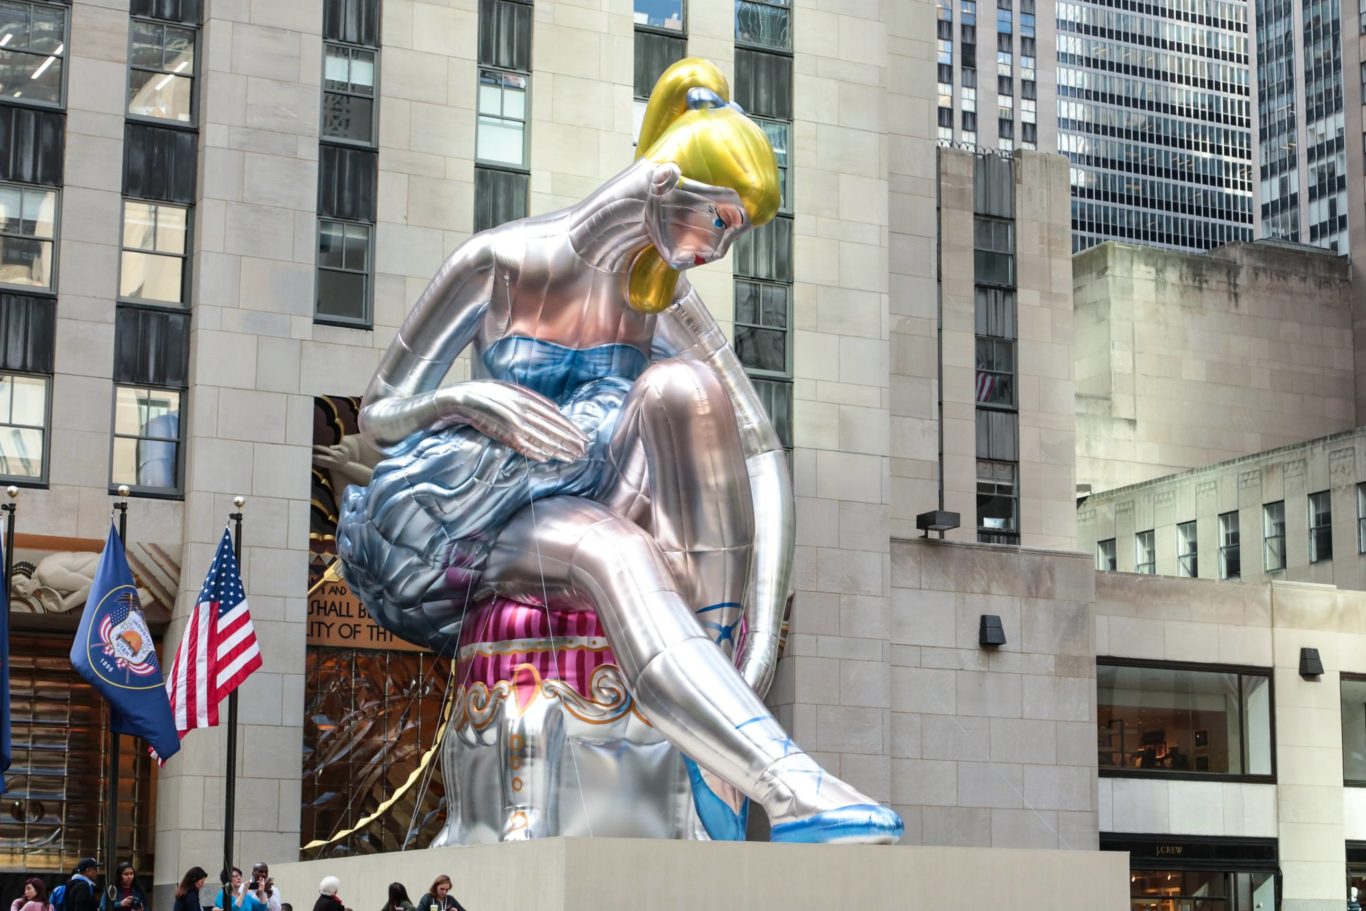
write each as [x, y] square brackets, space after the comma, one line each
[611, 874]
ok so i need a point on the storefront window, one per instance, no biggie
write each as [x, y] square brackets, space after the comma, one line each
[1200, 890]
[1183, 720]
[1354, 730]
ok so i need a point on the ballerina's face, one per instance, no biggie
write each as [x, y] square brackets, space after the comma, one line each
[692, 223]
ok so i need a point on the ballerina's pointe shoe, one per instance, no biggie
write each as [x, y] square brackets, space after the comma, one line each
[856, 824]
[724, 811]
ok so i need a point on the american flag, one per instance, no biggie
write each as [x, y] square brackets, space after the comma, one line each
[219, 649]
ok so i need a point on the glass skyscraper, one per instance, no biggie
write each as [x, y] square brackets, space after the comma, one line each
[1154, 112]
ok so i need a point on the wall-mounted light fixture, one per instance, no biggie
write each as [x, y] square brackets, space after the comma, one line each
[936, 520]
[991, 634]
[1311, 665]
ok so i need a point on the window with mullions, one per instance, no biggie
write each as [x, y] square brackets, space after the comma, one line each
[763, 313]
[780, 137]
[994, 256]
[28, 234]
[1354, 730]
[501, 136]
[998, 503]
[764, 23]
[776, 395]
[147, 425]
[1361, 518]
[23, 427]
[1273, 536]
[1182, 719]
[152, 265]
[348, 93]
[662, 14]
[1187, 551]
[1145, 553]
[1320, 527]
[1230, 560]
[32, 45]
[1105, 555]
[655, 53]
[343, 272]
[995, 372]
[161, 71]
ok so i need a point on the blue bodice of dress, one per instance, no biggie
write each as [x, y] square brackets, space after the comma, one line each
[556, 371]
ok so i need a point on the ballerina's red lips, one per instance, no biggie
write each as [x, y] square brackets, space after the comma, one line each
[697, 260]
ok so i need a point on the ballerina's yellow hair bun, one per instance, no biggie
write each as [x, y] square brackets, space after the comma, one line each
[690, 122]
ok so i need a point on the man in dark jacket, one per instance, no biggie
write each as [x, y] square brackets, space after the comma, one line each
[80, 892]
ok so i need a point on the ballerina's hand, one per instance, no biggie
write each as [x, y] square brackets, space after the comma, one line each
[525, 420]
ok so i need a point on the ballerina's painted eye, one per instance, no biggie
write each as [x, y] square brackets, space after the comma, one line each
[719, 223]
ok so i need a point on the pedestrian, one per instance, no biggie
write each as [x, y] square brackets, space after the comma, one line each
[34, 897]
[80, 890]
[187, 893]
[263, 887]
[328, 899]
[398, 899]
[242, 900]
[127, 897]
[439, 897]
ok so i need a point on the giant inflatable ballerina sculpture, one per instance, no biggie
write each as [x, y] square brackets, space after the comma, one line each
[608, 464]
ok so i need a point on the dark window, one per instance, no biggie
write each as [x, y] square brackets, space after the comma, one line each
[159, 163]
[1187, 551]
[1145, 553]
[1320, 527]
[780, 137]
[343, 272]
[997, 435]
[995, 312]
[146, 450]
[993, 186]
[499, 196]
[777, 398]
[995, 371]
[1105, 555]
[349, 93]
[970, 121]
[1361, 518]
[161, 60]
[1183, 720]
[994, 262]
[763, 83]
[1354, 730]
[32, 61]
[766, 23]
[765, 252]
[152, 266]
[1230, 560]
[946, 117]
[505, 34]
[1273, 536]
[352, 21]
[655, 53]
[28, 235]
[27, 333]
[151, 347]
[186, 11]
[998, 502]
[346, 182]
[763, 314]
[31, 145]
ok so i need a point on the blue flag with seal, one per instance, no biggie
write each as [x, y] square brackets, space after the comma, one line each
[6, 744]
[114, 651]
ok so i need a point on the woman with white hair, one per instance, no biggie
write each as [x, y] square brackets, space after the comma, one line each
[328, 899]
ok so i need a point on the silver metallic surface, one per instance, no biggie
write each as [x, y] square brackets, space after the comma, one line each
[600, 459]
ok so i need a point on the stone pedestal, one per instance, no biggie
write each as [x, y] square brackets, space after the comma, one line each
[617, 874]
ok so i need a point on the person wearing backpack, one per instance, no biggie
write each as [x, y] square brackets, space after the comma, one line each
[79, 892]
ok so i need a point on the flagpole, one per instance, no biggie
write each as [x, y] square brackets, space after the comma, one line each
[9, 509]
[111, 826]
[230, 796]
